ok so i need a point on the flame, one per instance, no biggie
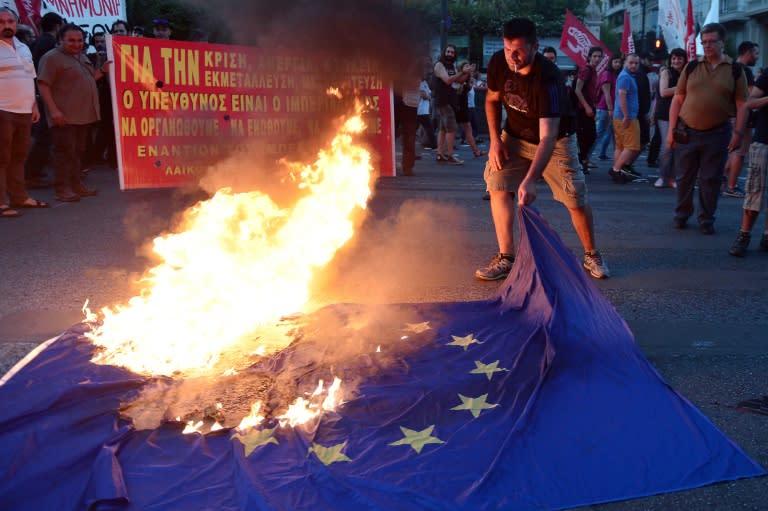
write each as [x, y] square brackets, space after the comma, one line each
[240, 261]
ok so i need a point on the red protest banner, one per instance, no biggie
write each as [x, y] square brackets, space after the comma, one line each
[29, 12]
[181, 107]
[577, 39]
[627, 41]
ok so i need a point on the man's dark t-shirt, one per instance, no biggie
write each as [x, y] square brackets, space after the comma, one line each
[42, 45]
[761, 125]
[537, 95]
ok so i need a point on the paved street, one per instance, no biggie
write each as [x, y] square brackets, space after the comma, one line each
[700, 315]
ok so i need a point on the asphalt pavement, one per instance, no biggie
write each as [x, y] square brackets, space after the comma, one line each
[699, 314]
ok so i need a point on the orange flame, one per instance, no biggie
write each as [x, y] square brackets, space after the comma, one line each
[240, 262]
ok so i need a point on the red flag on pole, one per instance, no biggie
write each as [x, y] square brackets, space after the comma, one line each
[690, 34]
[577, 39]
[627, 41]
[29, 12]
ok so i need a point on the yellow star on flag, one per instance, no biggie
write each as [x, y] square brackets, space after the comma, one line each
[328, 455]
[464, 342]
[417, 328]
[474, 404]
[418, 439]
[487, 369]
[254, 438]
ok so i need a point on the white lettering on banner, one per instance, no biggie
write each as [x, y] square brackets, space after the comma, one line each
[93, 15]
[86, 8]
[581, 39]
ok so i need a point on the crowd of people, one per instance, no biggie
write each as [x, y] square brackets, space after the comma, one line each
[695, 120]
[55, 107]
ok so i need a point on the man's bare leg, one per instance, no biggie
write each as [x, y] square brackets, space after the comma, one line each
[503, 214]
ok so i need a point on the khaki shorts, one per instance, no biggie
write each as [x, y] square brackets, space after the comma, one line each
[746, 140]
[627, 138]
[756, 188]
[447, 119]
[563, 172]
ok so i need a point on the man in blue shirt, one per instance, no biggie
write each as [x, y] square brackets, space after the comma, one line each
[626, 126]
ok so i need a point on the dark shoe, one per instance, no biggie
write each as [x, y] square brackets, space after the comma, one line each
[764, 243]
[707, 229]
[739, 247]
[591, 165]
[629, 169]
[37, 184]
[86, 192]
[679, 223]
[67, 197]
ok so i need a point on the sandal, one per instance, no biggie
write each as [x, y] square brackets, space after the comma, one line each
[479, 153]
[31, 203]
[8, 212]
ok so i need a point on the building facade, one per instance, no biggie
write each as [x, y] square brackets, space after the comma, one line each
[744, 19]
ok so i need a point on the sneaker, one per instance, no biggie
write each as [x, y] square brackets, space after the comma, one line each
[440, 158]
[591, 165]
[764, 243]
[739, 247]
[596, 266]
[452, 160]
[735, 192]
[498, 268]
[659, 183]
[707, 229]
[617, 176]
[629, 169]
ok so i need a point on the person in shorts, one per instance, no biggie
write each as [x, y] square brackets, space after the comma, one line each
[536, 141]
[756, 187]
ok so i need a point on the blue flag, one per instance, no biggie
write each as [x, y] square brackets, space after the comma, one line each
[537, 398]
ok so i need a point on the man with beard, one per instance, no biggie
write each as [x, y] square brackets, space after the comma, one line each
[445, 88]
[67, 83]
[536, 142]
[18, 110]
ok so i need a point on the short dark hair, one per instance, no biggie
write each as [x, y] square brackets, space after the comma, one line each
[50, 21]
[520, 27]
[678, 52]
[594, 49]
[710, 28]
[120, 22]
[70, 27]
[549, 49]
[746, 47]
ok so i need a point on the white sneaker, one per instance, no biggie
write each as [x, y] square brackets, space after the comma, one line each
[596, 266]
[659, 183]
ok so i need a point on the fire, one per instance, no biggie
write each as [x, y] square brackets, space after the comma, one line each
[239, 262]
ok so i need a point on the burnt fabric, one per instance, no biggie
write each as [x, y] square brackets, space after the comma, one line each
[537, 398]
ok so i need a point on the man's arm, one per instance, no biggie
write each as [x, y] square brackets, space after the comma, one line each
[742, 113]
[57, 118]
[674, 113]
[548, 129]
[579, 91]
[624, 107]
[441, 73]
[497, 152]
[757, 98]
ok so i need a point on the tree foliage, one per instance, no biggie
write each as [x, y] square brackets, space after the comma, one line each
[184, 16]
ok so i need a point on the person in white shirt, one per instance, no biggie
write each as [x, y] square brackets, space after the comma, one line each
[18, 111]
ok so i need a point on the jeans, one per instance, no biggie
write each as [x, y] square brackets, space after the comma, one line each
[604, 132]
[666, 160]
[703, 157]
